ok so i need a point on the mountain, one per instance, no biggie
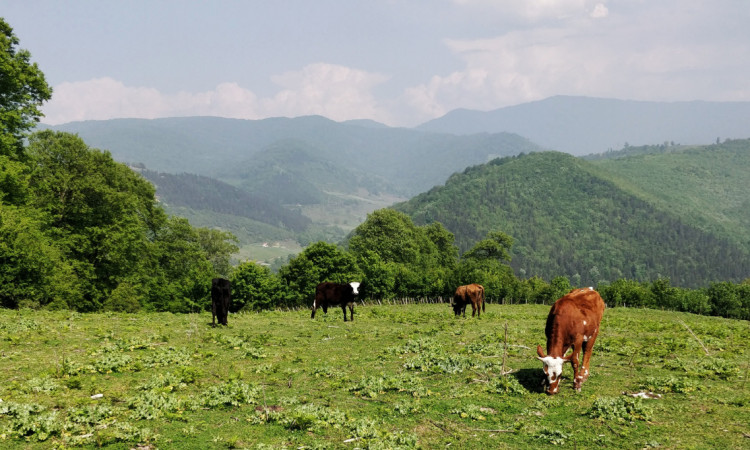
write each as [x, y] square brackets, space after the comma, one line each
[583, 125]
[568, 218]
[410, 161]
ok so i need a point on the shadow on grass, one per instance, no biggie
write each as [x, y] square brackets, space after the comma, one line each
[530, 379]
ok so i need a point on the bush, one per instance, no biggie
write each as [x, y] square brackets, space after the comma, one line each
[621, 409]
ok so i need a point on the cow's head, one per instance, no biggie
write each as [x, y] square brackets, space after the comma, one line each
[355, 287]
[552, 370]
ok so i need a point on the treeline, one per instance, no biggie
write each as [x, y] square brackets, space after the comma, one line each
[395, 259]
[207, 194]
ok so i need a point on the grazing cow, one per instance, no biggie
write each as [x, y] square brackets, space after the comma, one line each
[221, 294]
[573, 321]
[470, 294]
[335, 294]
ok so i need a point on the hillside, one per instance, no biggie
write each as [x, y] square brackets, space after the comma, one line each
[289, 172]
[583, 125]
[203, 193]
[568, 219]
[709, 186]
[409, 161]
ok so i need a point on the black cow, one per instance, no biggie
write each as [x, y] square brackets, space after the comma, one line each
[335, 294]
[221, 295]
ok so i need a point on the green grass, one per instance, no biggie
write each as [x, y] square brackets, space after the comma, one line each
[408, 376]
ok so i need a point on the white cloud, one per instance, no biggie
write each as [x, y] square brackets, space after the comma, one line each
[599, 11]
[106, 98]
[598, 54]
[330, 90]
[334, 91]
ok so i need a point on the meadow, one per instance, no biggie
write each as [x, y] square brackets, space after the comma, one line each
[399, 376]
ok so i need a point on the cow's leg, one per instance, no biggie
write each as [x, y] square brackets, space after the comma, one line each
[343, 308]
[351, 311]
[213, 315]
[588, 347]
[577, 375]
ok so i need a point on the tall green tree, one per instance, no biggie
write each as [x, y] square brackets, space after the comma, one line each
[98, 211]
[33, 270]
[175, 273]
[495, 246]
[219, 246]
[23, 89]
[255, 287]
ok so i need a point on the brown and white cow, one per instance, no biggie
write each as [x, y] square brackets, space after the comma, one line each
[573, 321]
[335, 294]
[221, 295]
[472, 294]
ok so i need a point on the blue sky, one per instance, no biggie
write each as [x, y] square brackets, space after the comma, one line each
[399, 62]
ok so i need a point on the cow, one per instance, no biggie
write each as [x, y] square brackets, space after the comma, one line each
[469, 294]
[335, 294]
[221, 295]
[573, 321]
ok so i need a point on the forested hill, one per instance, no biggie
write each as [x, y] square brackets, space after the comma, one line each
[567, 218]
[707, 185]
[206, 194]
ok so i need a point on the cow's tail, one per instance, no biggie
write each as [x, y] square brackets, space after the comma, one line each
[483, 301]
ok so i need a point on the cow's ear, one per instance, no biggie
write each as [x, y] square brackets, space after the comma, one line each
[539, 351]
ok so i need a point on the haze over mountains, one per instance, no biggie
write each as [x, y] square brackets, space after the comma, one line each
[403, 160]
[584, 125]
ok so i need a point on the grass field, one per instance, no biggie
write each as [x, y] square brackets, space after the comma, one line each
[399, 376]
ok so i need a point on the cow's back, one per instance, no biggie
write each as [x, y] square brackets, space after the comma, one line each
[334, 293]
[579, 309]
[474, 293]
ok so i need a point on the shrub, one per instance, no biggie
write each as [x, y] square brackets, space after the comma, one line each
[506, 385]
[621, 409]
[670, 384]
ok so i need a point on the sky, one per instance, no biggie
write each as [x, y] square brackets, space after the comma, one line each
[398, 62]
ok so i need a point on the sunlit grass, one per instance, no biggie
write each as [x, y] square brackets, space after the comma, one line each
[400, 376]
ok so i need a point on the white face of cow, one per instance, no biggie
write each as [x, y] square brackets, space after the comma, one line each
[355, 286]
[553, 369]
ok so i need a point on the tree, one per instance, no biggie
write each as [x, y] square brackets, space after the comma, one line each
[98, 211]
[495, 246]
[389, 233]
[176, 273]
[23, 89]
[254, 287]
[33, 271]
[219, 246]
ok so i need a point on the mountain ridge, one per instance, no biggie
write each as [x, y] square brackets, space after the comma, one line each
[583, 125]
